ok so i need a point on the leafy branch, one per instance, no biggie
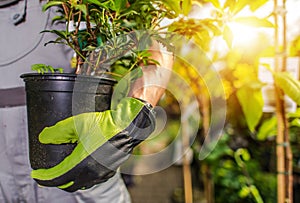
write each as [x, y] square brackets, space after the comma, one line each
[42, 68]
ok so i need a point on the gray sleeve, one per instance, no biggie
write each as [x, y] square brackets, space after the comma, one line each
[22, 44]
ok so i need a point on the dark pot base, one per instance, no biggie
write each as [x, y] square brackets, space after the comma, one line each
[54, 97]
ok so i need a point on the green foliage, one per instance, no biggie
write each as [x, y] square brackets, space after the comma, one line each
[253, 21]
[228, 13]
[252, 106]
[42, 68]
[201, 31]
[289, 85]
[99, 26]
[237, 176]
[266, 183]
[241, 71]
[102, 23]
[215, 3]
[267, 129]
[235, 6]
[222, 149]
[254, 5]
[295, 47]
[228, 36]
[242, 156]
[186, 7]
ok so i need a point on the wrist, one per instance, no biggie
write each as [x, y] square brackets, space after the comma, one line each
[150, 95]
[147, 104]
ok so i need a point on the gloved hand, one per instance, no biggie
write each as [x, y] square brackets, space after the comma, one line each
[104, 141]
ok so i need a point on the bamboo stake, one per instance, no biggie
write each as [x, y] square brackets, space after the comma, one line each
[283, 150]
[204, 101]
[187, 177]
[288, 151]
[208, 182]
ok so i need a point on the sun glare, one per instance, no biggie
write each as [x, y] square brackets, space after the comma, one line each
[243, 35]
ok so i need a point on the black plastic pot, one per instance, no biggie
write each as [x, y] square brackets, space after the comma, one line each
[54, 97]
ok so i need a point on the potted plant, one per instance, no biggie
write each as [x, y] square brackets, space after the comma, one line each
[106, 42]
[109, 39]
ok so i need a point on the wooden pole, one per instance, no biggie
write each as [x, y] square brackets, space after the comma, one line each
[283, 150]
[187, 177]
[288, 151]
[208, 182]
[204, 101]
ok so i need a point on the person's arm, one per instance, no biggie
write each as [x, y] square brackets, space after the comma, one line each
[151, 86]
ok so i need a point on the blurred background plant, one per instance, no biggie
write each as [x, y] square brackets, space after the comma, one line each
[235, 36]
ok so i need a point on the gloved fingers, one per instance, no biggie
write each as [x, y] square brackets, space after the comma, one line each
[81, 168]
[70, 129]
[70, 161]
[82, 176]
[62, 132]
[82, 150]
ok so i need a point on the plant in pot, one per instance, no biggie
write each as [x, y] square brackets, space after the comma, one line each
[109, 39]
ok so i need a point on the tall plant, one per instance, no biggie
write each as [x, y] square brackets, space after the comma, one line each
[112, 29]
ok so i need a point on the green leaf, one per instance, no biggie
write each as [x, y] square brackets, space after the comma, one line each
[105, 5]
[239, 5]
[245, 154]
[96, 2]
[251, 101]
[137, 73]
[241, 155]
[186, 7]
[244, 192]
[255, 193]
[202, 39]
[295, 114]
[213, 28]
[295, 47]
[289, 85]
[50, 4]
[229, 4]
[173, 5]
[228, 36]
[57, 18]
[216, 3]
[254, 21]
[119, 5]
[295, 123]
[236, 6]
[255, 4]
[267, 129]
[82, 8]
[119, 71]
[62, 34]
[43, 68]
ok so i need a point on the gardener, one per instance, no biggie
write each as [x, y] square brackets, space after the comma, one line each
[22, 45]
